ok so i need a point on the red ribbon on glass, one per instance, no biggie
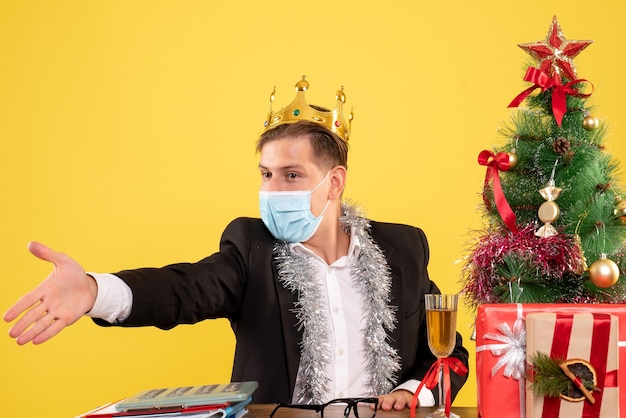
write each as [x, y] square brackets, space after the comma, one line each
[598, 358]
[559, 91]
[496, 163]
[431, 378]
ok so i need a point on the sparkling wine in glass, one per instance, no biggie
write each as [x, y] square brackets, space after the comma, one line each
[441, 311]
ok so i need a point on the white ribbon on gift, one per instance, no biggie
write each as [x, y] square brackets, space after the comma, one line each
[512, 351]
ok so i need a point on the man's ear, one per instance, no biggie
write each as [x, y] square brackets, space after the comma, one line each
[338, 176]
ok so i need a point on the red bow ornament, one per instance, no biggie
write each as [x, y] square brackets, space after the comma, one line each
[559, 91]
[431, 379]
[495, 164]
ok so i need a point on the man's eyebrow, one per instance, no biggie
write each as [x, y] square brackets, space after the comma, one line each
[284, 168]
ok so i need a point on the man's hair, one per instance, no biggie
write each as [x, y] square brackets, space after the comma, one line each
[328, 149]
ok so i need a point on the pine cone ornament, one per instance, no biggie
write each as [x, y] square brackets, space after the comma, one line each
[561, 146]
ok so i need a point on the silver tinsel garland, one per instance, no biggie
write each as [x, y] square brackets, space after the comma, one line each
[371, 276]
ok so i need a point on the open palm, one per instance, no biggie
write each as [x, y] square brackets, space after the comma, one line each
[60, 300]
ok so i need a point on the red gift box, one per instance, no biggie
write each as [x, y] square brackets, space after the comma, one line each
[500, 355]
[590, 337]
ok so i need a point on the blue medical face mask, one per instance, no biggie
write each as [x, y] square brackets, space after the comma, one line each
[287, 214]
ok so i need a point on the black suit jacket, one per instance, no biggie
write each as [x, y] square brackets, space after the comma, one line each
[240, 283]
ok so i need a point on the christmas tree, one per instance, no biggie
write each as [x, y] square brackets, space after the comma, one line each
[555, 221]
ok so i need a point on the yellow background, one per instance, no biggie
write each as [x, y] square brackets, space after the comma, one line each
[128, 132]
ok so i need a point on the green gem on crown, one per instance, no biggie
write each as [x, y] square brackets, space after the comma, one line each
[296, 112]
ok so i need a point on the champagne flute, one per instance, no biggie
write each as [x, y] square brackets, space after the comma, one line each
[441, 311]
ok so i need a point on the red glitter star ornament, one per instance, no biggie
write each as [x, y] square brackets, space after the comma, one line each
[555, 53]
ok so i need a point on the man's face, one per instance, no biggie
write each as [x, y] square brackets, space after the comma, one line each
[288, 164]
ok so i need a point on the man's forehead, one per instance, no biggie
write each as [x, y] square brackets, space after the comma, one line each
[299, 148]
[287, 153]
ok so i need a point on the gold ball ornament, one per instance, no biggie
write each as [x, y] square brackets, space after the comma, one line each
[590, 123]
[603, 273]
[512, 159]
[620, 210]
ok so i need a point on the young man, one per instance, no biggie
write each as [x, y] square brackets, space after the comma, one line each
[323, 302]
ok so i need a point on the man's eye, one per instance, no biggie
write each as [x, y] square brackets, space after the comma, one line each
[292, 176]
[266, 176]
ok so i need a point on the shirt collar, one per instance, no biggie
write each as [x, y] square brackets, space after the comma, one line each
[353, 250]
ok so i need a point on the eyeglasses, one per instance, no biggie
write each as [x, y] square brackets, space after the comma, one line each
[351, 404]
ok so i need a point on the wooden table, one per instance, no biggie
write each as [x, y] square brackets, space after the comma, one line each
[263, 411]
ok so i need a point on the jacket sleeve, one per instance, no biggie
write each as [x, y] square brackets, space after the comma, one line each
[186, 293]
[407, 252]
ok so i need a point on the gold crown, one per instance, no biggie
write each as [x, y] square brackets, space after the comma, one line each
[299, 109]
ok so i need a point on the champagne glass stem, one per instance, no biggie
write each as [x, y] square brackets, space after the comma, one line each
[442, 392]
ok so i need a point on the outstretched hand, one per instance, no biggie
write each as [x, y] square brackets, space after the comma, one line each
[60, 300]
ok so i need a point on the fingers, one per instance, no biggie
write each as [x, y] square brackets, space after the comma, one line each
[38, 327]
[45, 253]
[397, 400]
[24, 303]
[53, 329]
[46, 327]
[29, 318]
[35, 296]
[386, 402]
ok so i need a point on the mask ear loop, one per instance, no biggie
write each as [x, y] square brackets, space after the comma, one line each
[325, 207]
[321, 182]
[327, 200]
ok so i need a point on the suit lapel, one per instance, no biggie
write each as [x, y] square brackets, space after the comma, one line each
[395, 337]
[292, 335]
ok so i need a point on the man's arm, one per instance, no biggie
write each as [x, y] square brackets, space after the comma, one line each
[59, 301]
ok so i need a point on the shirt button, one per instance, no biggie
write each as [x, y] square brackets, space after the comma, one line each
[340, 351]
[335, 310]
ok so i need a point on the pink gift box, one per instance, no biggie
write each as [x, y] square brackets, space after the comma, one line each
[591, 337]
[498, 350]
